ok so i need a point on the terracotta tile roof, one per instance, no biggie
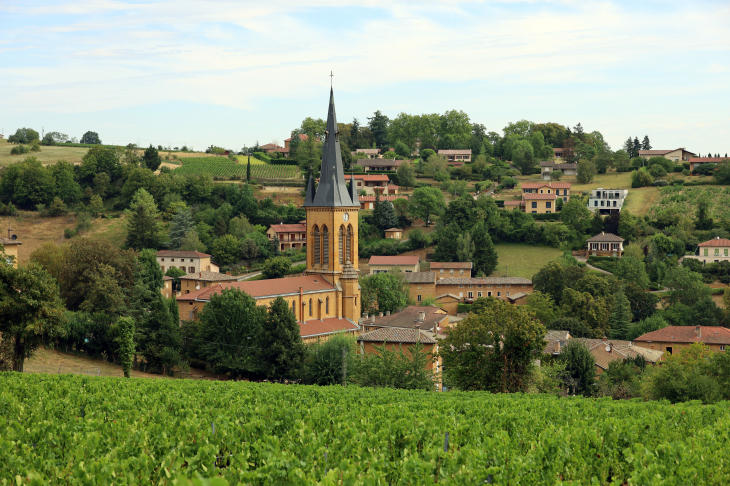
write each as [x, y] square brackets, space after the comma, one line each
[315, 327]
[379, 162]
[372, 178]
[529, 196]
[419, 277]
[455, 152]
[517, 296]
[604, 358]
[165, 277]
[706, 159]
[301, 137]
[397, 335]
[655, 152]
[552, 185]
[456, 297]
[289, 228]
[650, 355]
[270, 146]
[604, 237]
[181, 254]
[556, 150]
[382, 198]
[557, 336]
[404, 260]
[484, 281]
[265, 288]
[409, 318]
[209, 277]
[438, 265]
[394, 229]
[715, 242]
[8, 241]
[688, 334]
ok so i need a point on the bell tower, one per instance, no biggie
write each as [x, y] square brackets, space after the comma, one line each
[332, 216]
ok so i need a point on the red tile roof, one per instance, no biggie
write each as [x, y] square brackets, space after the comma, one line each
[397, 335]
[394, 229]
[181, 254]
[270, 146]
[706, 159]
[289, 228]
[301, 137]
[556, 150]
[604, 237]
[688, 334]
[437, 265]
[538, 185]
[8, 241]
[395, 260]
[409, 317]
[643, 153]
[315, 327]
[264, 288]
[715, 242]
[539, 196]
[373, 177]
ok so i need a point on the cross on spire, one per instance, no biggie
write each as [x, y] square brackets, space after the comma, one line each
[331, 76]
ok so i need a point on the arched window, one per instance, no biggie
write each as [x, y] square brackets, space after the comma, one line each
[341, 244]
[349, 244]
[317, 243]
[310, 307]
[327, 306]
[325, 246]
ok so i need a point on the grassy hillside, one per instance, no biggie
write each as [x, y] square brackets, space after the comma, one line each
[47, 155]
[522, 260]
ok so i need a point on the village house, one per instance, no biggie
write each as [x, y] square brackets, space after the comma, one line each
[548, 166]
[452, 269]
[371, 184]
[10, 246]
[560, 189]
[425, 317]
[379, 164]
[271, 147]
[695, 162]
[673, 338]
[167, 291]
[371, 153]
[405, 263]
[540, 197]
[368, 202]
[193, 282]
[287, 142]
[291, 236]
[607, 201]
[558, 153]
[470, 289]
[393, 234]
[188, 261]
[715, 250]
[456, 158]
[605, 245]
[676, 155]
[421, 285]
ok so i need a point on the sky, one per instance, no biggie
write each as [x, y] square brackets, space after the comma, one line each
[177, 73]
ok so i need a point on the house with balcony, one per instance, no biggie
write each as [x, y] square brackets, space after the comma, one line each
[605, 244]
[291, 236]
[558, 153]
[379, 164]
[715, 250]
[607, 201]
[560, 189]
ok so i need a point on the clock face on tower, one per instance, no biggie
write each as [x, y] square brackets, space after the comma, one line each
[345, 217]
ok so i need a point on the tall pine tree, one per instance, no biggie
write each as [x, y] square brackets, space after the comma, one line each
[485, 257]
[637, 146]
[143, 230]
[181, 224]
[447, 243]
[645, 145]
[281, 349]
[620, 317]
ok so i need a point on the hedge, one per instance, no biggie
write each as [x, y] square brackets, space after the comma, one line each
[546, 217]
[463, 308]
[282, 161]
[262, 156]
[626, 169]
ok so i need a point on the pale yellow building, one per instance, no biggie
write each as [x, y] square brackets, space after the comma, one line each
[11, 246]
[188, 261]
[404, 263]
[715, 250]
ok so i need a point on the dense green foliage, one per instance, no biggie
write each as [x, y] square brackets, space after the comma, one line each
[78, 430]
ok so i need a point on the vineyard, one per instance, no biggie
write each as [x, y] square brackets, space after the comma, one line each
[224, 168]
[88, 430]
[683, 200]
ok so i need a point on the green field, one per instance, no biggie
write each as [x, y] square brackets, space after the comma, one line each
[521, 260]
[226, 168]
[47, 155]
[243, 159]
[71, 429]
[683, 200]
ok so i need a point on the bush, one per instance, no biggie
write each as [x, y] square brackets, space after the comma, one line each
[298, 268]
[686, 172]
[685, 165]
[35, 146]
[464, 308]
[68, 233]
[19, 150]
[546, 216]
[660, 183]
[283, 162]
[678, 168]
[9, 210]
[57, 207]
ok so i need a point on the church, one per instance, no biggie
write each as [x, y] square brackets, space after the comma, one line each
[325, 300]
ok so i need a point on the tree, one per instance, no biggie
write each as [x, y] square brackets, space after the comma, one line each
[485, 258]
[425, 202]
[447, 243]
[191, 242]
[151, 159]
[226, 250]
[580, 367]
[657, 172]
[464, 248]
[595, 311]
[91, 138]
[685, 286]
[576, 216]
[276, 267]
[636, 146]
[182, 223]
[543, 306]
[96, 205]
[384, 215]
[586, 171]
[556, 175]
[125, 341]
[646, 145]
[633, 270]
[175, 273]
[378, 125]
[50, 257]
[249, 250]
[406, 175]
[620, 317]
[704, 220]
[143, 231]
[66, 186]
[722, 173]
[576, 327]
[461, 211]
[392, 367]
[248, 169]
[281, 352]
[402, 149]
[384, 292]
[160, 336]
[493, 349]
[324, 361]
[230, 325]
[31, 310]
[523, 156]
[24, 135]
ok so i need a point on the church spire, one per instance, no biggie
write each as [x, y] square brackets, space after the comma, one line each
[332, 190]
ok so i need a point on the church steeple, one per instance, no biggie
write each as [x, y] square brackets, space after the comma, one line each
[332, 191]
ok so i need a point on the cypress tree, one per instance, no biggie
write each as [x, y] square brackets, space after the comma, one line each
[637, 146]
[126, 343]
[282, 351]
[646, 145]
[485, 257]
[620, 317]
[447, 243]
[248, 170]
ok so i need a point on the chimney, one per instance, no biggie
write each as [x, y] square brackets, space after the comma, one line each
[698, 331]
[200, 274]
[421, 316]
[387, 313]
[603, 233]
[418, 327]
[228, 273]
[380, 314]
[365, 316]
[604, 339]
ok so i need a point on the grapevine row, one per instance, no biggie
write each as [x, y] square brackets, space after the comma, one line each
[226, 169]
